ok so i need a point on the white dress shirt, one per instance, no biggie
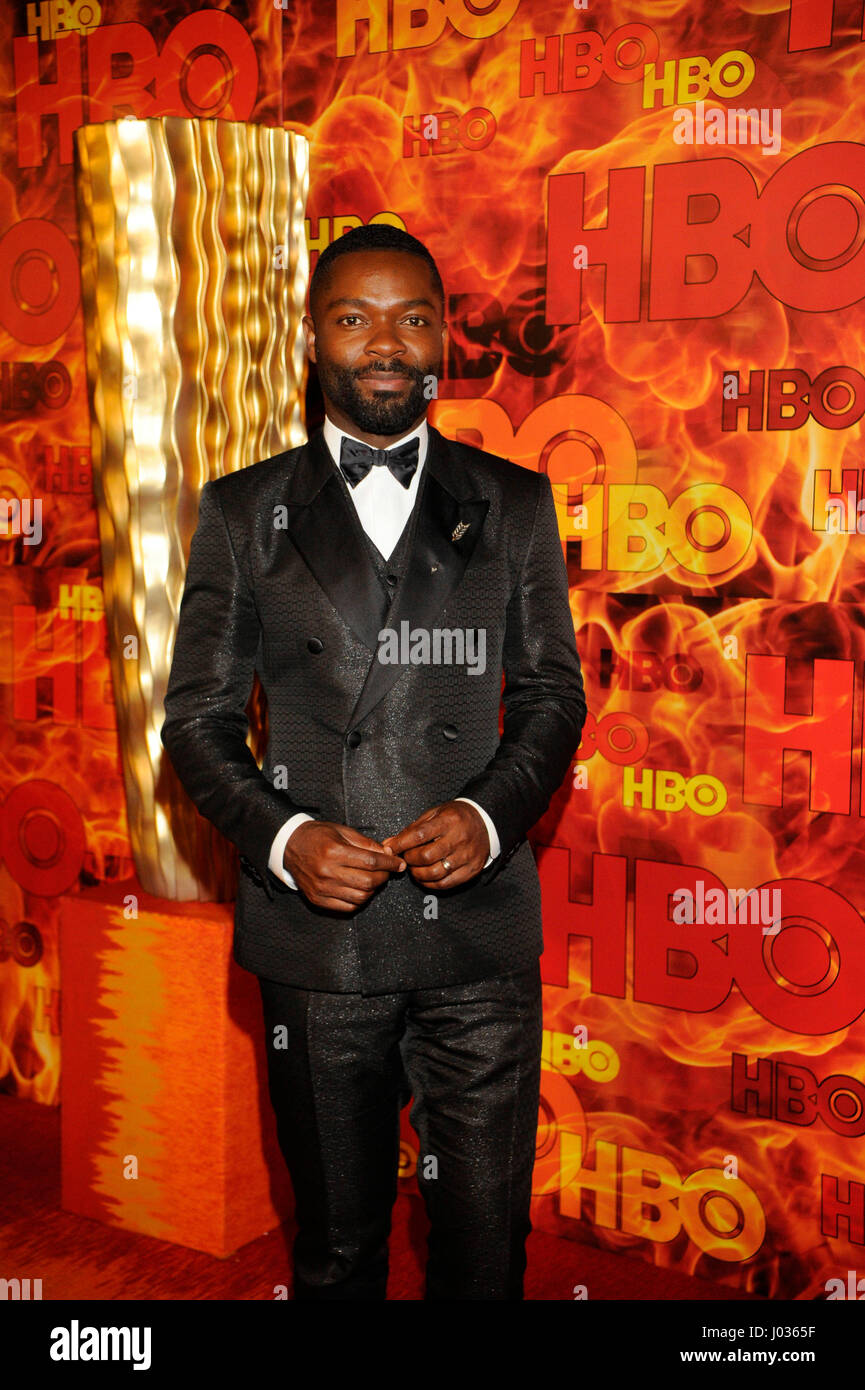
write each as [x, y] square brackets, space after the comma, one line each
[383, 507]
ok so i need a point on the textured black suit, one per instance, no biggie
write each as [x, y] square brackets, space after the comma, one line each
[281, 580]
[293, 594]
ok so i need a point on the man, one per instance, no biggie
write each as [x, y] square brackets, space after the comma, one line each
[379, 578]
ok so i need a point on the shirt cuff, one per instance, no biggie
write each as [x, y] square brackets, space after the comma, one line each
[495, 847]
[283, 835]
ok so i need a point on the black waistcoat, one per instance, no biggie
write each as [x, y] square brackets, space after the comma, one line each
[390, 573]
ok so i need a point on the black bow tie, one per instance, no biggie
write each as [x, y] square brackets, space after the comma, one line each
[356, 459]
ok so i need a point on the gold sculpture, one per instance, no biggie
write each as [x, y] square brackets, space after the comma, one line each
[194, 272]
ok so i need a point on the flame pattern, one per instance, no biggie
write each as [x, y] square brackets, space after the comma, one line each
[543, 394]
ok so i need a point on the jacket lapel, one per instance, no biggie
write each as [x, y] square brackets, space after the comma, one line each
[319, 523]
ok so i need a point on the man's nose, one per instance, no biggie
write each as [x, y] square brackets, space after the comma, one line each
[384, 342]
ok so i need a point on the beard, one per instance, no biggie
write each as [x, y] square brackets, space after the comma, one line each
[383, 414]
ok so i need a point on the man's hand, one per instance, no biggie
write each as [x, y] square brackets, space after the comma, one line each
[337, 867]
[453, 831]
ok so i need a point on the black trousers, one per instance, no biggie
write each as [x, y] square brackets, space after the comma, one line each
[340, 1069]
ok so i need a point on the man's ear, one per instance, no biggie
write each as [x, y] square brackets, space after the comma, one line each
[309, 335]
[444, 350]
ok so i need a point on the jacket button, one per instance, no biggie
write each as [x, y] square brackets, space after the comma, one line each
[390, 580]
[353, 739]
[450, 731]
[314, 645]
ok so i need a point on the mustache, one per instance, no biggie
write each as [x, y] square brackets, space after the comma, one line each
[382, 369]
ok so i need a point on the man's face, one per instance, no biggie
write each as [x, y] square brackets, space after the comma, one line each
[378, 338]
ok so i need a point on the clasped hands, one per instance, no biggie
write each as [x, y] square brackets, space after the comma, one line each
[337, 867]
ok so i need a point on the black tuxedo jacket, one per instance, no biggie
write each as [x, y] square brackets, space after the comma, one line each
[279, 581]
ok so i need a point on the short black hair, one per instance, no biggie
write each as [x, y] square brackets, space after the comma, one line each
[379, 236]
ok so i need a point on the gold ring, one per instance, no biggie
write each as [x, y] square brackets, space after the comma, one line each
[447, 865]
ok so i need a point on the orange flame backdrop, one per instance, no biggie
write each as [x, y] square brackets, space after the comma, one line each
[661, 305]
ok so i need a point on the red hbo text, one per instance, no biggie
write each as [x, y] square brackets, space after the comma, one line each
[712, 231]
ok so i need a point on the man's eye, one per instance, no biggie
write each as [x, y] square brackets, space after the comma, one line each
[419, 320]
[345, 318]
